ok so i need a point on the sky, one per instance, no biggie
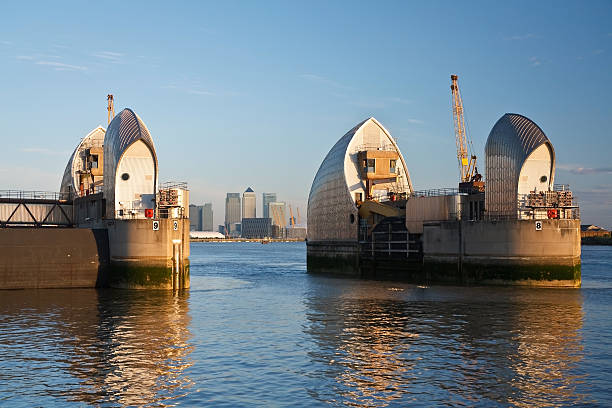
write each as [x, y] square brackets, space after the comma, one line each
[254, 94]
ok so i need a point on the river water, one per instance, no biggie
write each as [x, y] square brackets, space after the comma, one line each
[256, 330]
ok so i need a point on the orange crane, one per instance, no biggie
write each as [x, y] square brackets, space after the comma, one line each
[291, 220]
[110, 108]
[467, 164]
[298, 211]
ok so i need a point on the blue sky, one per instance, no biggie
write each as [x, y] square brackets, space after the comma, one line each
[240, 94]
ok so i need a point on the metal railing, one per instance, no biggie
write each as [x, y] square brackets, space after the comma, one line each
[561, 187]
[144, 213]
[34, 195]
[436, 192]
[384, 148]
[173, 184]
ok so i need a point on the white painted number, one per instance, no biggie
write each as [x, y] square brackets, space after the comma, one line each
[175, 225]
[155, 225]
[538, 225]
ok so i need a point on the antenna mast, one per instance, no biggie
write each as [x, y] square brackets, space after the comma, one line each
[110, 108]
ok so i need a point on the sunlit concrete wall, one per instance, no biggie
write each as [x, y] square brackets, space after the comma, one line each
[517, 249]
[52, 258]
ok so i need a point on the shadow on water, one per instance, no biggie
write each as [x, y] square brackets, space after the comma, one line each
[109, 347]
[383, 344]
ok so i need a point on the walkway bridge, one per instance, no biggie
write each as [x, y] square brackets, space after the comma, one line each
[35, 209]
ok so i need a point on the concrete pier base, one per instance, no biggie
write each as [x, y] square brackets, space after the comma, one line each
[142, 257]
[125, 254]
[511, 252]
[39, 258]
[333, 257]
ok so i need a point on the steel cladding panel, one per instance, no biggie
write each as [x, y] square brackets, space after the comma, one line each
[330, 204]
[124, 130]
[69, 179]
[509, 144]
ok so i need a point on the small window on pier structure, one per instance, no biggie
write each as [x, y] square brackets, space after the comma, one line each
[370, 166]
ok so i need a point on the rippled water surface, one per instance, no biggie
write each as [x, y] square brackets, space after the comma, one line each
[256, 330]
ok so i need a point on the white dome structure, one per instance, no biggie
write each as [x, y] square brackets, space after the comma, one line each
[130, 167]
[339, 183]
[83, 172]
[519, 159]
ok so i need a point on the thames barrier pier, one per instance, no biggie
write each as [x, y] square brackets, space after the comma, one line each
[111, 224]
[514, 228]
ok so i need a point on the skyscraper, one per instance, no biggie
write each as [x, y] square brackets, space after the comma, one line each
[232, 210]
[207, 217]
[195, 217]
[249, 204]
[267, 198]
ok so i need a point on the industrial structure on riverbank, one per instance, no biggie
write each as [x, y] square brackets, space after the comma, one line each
[515, 227]
[111, 224]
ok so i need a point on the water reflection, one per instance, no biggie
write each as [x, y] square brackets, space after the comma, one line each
[384, 345]
[96, 347]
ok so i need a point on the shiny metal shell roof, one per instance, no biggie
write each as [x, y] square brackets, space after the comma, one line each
[124, 130]
[511, 140]
[514, 135]
[69, 183]
[330, 203]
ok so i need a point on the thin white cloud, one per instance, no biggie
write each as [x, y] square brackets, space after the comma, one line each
[109, 56]
[399, 100]
[535, 61]
[589, 170]
[59, 66]
[44, 151]
[24, 57]
[199, 92]
[324, 81]
[415, 121]
[577, 169]
[5, 42]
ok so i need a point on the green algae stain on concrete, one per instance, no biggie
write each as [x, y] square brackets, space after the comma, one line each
[137, 277]
[509, 274]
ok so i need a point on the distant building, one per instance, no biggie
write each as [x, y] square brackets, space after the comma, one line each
[207, 217]
[256, 228]
[267, 198]
[278, 214]
[232, 210]
[296, 233]
[195, 217]
[249, 204]
[593, 231]
[221, 229]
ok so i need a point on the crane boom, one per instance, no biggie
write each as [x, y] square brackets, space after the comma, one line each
[467, 163]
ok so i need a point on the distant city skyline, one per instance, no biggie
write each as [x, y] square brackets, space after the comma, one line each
[310, 80]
